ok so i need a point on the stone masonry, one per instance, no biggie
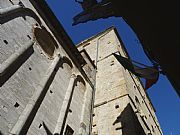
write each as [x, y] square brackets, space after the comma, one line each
[48, 86]
[121, 105]
[43, 88]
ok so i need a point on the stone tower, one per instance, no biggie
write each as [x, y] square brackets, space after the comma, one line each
[121, 105]
[48, 86]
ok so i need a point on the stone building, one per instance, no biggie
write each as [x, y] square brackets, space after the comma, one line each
[43, 86]
[48, 86]
[121, 105]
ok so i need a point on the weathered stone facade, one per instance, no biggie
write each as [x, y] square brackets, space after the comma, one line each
[43, 88]
[47, 86]
[121, 106]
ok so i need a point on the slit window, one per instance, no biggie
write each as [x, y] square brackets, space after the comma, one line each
[5, 41]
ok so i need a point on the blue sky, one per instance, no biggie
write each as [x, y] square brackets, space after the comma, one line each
[162, 94]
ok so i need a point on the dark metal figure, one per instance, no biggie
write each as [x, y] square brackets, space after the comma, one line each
[87, 4]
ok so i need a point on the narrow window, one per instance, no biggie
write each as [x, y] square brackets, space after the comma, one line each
[40, 125]
[5, 41]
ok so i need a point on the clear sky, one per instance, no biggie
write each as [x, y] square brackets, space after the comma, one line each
[162, 94]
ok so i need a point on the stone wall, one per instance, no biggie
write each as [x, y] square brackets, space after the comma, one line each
[45, 88]
[41, 89]
[121, 105]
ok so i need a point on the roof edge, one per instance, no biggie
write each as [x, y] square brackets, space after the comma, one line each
[94, 36]
[57, 29]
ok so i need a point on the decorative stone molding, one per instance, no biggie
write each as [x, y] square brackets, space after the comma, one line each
[65, 106]
[35, 100]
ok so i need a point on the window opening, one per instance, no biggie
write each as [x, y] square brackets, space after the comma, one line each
[5, 41]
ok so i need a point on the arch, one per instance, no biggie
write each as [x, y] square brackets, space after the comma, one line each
[45, 41]
[19, 12]
[80, 79]
[67, 61]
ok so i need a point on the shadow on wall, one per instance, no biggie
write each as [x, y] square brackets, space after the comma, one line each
[78, 79]
[48, 132]
[129, 122]
[45, 40]
[67, 61]
[15, 65]
[1, 133]
[40, 99]
[20, 13]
